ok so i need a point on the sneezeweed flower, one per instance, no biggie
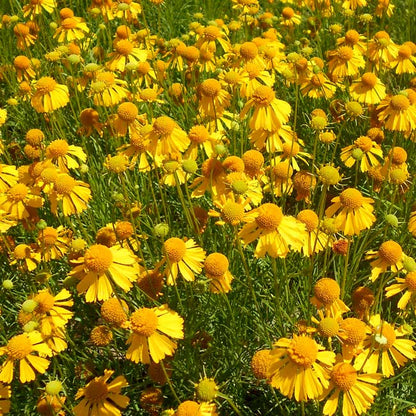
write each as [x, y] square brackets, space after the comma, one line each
[24, 37]
[191, 408]
[24, 70]
[22, 348]
[357, 390]
[316, 240]
[269, 113]
[364, 151]
[151, 333]
[406, 62]
[326, 293]
[210, 36]
[125, 52]
[200, 137]
[368, 89]
[329, 175]
[18, 200]
[36, 7]
[303, 183]
[383, 343]
[362, 299]
[184, 257]
[25, 256]
[280, 178]
[101, 336]
[397, 113]
[127, 120]
[353, 39]
[63, 155]
[382, 51]
[355, 212]
[216, 269]
[107, 90]
[151, 283]
[231, 210]
[212, 179]
[352, 334]
[213, 100]
[90, 122]
[101, 269]
[49, 95]
[389, 256]
[277, 234]
[318, 86]
[101, 397]
[345, 62]
[253, 163]
[71, 27]
[260, 364]
[137, 149]
[300, 367]
[406, 285]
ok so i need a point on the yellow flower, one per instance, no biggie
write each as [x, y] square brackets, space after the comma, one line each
[62, 154]
[49, 95]
[125, 52]
[100, 397]
[71, 28]
[397, 113]
[406, 284]
[326, 295]
[151, 329]
[364, 151]
[368, 89]
[54, 242]
[216, 269]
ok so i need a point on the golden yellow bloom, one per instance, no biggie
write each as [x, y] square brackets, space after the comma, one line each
[49, 95]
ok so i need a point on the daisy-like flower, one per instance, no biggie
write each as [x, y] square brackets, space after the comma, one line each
[151, 333]
[49, 95]
[213, 100]
[125, 52]
[277, 233]
[200, 137]
[326, 293]
[184, 257]
[24, 70]
[71, 27]
[357, 390]
[213, 179]
[300, 367]
[406, 62]
[368, 89]
[383, 343]
[303, 183]
[101, 269]
[232, 210]
[316, 239]
[21, 348]
[382, 51]
[355, 212]
[280, 177]
[127, 120]
[352, 333]
[216, 269]
[318, 86]
[406, 285]
[101, 397]
[8, 177]
[107, 90]
[63, 155]
[345, 62]
[71, 194]
[90, 123]
[353, 39]
[269, 113]
[36, 7]
[389, 256]
[252, 76]
[289, 18]
[25, 255]
[364, 151]
[210, 37]
[137, 150]
[192, 408]
[24, 37]
[397, 113]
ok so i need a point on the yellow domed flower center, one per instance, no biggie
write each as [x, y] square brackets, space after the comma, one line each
[253, 70]
[98, 258]
[211, 168]
[263, 95]
[232, 212]
[21, 62]
[239, 186]
[34, 137]
[57, 148]
[96, 391]
[21, 251]
[270, 216]
[290, 149]
[212, 33]
[127, 112]
[144, 322]
[175, 249]
[309, 218]
[198, 134]
[49, 175]
[69, 23]
[351, 198]
[216, 264]
[260, 364]
[288, 12]
[352, 37]
[400, 103]
[390, 252]
[384, 336]
[304, 181]
[328, 327]
[124, 47]
[49, 236]
[353, 331]
[303, 351]
[45, 302]
[188, 408]
[282, 171]
[64, 184]
[344, 376]
[206, 390]
[345, 53]
[118, 164]
[410, 281]
[249, 50]
[329, 175]
[164, 125]
[143, 68]
[210, 87]
[405, 52]
[364, 143]
[253, 161]
[19, 347]
[369, 79]
[399, 155]
[326, 290]
[232, 77]
[112, 311]
[148, 94]
[18, 192]
[124, 230]
[398, 176]
[45, 85]
[106, 77]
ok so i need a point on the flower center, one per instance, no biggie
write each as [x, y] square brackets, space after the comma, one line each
[351, 198]
[400, 103]
[127, 112]
[57, 149]
[270, 216]
[328, 327]
[188, 408]
[98, 258]
[369, 79]
[249, 50]
[309, 218]
[175, 249]
[282, 171]
[45, 85]
[344, 376]
[19, 347]
[385, 336]
[303, 351]
[288, 12]
[353, 331]
[345, 53]
[253, 161]
[21, 251]
[206, 390]
[49, 236]
[399, 155]
[210, 87]
[212, 33]
[148, 94]
[112, 311]
[18, 192]
[410, 281]
[329, 175]
[290, 149]
[232, 212]
[326, 290]
[352, 37]
[21, 62]
[364, 143]
[69, 23]
[211, 168]
[144, 322]
[34, 137]
[64, 184]
[49, 175]
[198, 134]
[390, 252]
[45, 302]
[405, 52]
[164, 125]
[263, 95]
[124, 47]
[216, 264]
[96, 391]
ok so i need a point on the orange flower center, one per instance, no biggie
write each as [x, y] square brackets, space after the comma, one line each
[253, 70]
[164, 125]
[175, 249]
[21, 62]
[309, 218]
[45, 85]
[210, 87]
[19, 347]
[216, 264]
[18, 192]
[384, 336]
[290, 149]
[364, 143]
[400, 103]
[351, 198]
[344, 376]
[399, 155]
[64, 184]
[211, 168]
[148, 94]
[410, 281]
[124, 47]
[369, 79]
[282, 171]
[21, 251]
[143, 68]
[352, 37]
[303, 351]
[232, 212]
[249, 50]
[353, 331]
[127, 112]
[45, 302]
[390, 252]
[328, 327]
[96, 391]
[57, 149]
[49, 236]
[98, 258]
[212, 33]
[34, 137]
[326, 290]
[112, 311]
[318, 80]
[253, 161]
[288, 12]
[345, 53]
[198, 134]
[188, 408]
[124, 230]
[144, 322]
[49, 175]
[270, 216]
[405, 52]
[69, 23]
[263, 95]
